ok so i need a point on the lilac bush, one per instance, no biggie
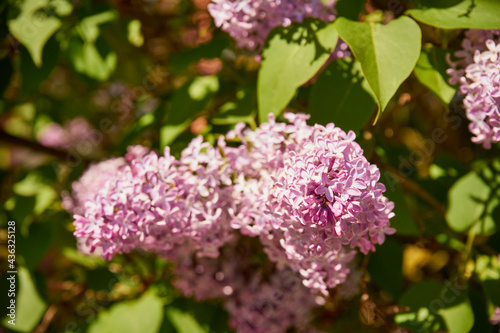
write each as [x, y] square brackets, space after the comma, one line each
[274, 225]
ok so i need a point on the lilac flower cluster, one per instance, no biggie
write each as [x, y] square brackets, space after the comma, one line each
[479, 76]
[322, 199]
[475, 40]
[250, 21]
[158, 203]
[306, 194]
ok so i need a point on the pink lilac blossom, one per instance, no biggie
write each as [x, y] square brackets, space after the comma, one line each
[94, 178]
[271, 306]
[474, 40]
[89, 184]
[250, 21]
[481, 87]
[76, 133]
[476, 68]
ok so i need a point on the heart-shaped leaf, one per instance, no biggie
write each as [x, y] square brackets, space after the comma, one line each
[472, 202]
[36, 22]
[387, 53]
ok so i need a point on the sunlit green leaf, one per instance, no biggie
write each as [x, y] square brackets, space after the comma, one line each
[89, 60]
[143, 315]
[32, 185]
[89, 26]
[134, 34]
[36, 22]
[435, 306]
[473, 202]
[488, 269]
[88, 261]
[184, 322]
[292, 56]
[30, 307]
[458, 14]
[387, 53]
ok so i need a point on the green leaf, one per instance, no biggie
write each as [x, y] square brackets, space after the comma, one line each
[431, 71]
[36, 22]
[143, 315]
[458, 14]
[293, 55]
[89, 26]
[471, 202]
[386, 266]
[134, 34]
[87, 59]
[33, 196]
[387, 53]
[184, 322]
[435, 306]
[33, 185]
[30, 307]
[341, 95]
[89, 52]
[189, 100]
[488, 269]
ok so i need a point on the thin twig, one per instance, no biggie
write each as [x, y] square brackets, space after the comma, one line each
[47, 318]
[64, 156]
[411, 186]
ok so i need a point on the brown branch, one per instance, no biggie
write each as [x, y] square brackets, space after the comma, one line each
[47, 318]
[64, 156]
[411, 186]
